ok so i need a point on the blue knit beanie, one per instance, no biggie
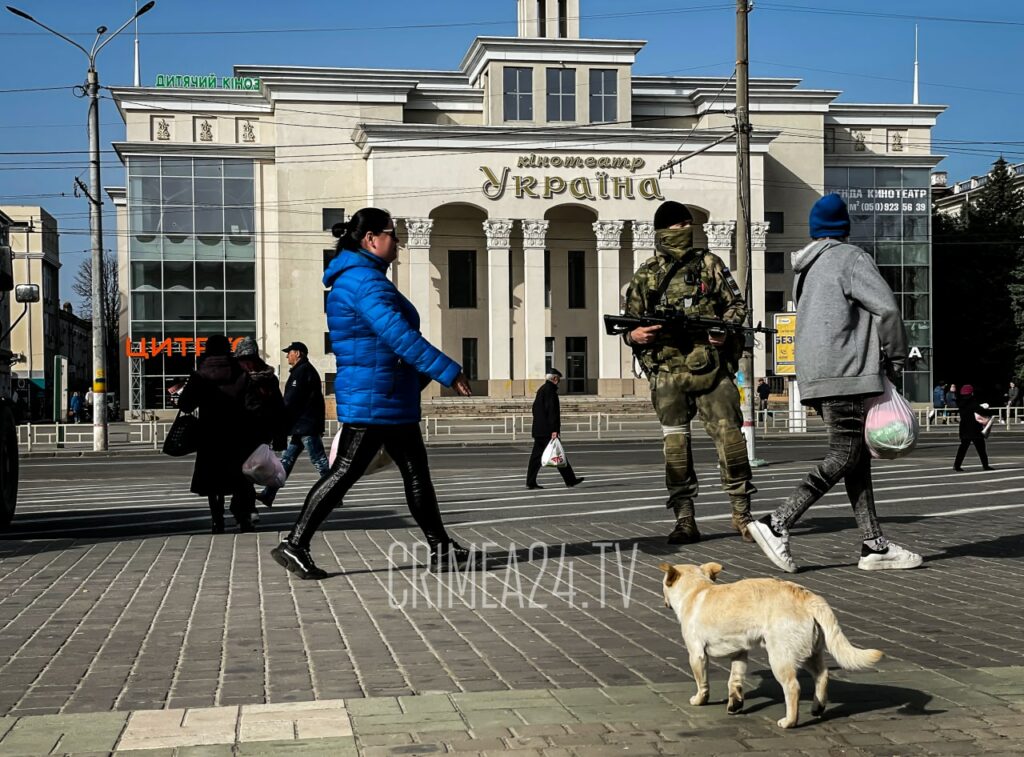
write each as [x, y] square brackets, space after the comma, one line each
[829, 218]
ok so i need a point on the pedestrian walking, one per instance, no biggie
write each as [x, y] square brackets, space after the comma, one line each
[763, 392]
[849, 335]
[304, 409]
[547, 425]
[88, 404]
[971, 429]
[216, 388]
[75, 407]
[1013, 401]
[938, 401]
[691, 372]
[381, 356]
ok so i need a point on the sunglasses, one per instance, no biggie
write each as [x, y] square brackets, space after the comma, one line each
[392, 232]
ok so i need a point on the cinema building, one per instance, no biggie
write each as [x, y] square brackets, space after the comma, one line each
[524, 183]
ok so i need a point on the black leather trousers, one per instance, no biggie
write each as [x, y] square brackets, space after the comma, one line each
[357, 448]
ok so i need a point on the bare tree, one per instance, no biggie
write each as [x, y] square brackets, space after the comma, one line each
[82, 287]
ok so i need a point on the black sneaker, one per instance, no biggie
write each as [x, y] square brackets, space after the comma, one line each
[577, 482]
[451, 556]
[534, 486]
[298, 561]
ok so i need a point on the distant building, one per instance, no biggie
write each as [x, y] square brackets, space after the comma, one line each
[75, 343]
[36, 248]
[950, 199]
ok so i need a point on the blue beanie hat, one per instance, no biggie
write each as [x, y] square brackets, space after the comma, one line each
[829, 218]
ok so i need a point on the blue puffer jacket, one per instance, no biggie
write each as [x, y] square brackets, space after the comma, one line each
[377, 344]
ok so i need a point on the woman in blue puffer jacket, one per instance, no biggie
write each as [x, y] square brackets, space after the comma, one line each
[381, 357]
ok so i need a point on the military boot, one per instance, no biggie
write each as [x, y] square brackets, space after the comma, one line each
[741, 517]
[685, 531]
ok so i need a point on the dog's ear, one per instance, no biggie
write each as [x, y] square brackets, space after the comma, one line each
[711, 570]
[673, 574]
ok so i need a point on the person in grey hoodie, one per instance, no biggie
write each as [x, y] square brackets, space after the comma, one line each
[849, 336]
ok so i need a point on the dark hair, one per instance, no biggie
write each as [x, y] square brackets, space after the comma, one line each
[350, 233]
[218, 344]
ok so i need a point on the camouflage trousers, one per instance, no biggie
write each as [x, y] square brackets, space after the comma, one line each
[719, 410]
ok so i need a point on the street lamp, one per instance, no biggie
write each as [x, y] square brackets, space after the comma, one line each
[92, 88]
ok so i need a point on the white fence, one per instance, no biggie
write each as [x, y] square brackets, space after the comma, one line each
[144, 435]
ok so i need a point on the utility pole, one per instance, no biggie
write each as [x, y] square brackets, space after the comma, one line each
[745, 376]
[92, 89]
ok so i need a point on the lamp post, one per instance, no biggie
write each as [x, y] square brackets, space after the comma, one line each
[92, 89]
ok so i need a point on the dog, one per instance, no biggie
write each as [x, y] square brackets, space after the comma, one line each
[793, 624]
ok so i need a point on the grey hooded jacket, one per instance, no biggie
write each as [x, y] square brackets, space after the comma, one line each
[847, 318]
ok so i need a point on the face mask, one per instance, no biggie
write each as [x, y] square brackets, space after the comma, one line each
[675, 239]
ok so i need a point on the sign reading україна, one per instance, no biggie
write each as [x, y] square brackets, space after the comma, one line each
[210, 81]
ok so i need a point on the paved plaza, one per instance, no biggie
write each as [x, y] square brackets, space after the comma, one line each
[127, 627]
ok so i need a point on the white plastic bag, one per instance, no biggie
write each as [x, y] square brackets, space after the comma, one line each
[986, 421]
[554, 455]
[890, 428]
[379, 463]
[263, 467]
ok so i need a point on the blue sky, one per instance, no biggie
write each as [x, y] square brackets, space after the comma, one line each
[974, 68]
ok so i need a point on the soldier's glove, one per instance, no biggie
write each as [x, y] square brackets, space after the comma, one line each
[893, 371]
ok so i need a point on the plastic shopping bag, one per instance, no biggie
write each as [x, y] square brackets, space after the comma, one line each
[890, 428]
[263, 467]
[379, 463]
[986, 421]
[554, 455]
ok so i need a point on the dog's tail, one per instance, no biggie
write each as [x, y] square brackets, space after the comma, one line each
[848, 656]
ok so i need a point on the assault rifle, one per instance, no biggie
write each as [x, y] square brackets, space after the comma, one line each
[677, 320]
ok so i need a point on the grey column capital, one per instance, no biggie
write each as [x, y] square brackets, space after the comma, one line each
[419, 231]
[534, 232]
[609, 234]
[643, 235]
[498, 231]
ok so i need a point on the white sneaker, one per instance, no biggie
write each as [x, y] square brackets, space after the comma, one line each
[894, 557]
[775, 546]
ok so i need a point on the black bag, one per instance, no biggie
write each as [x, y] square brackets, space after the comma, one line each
[183, 436]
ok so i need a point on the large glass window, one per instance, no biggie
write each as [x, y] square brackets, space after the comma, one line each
[890, 213]
[518, 92]
[462, 278]
[561, 94]
[192, 250]
[603, 95]
[577, 279]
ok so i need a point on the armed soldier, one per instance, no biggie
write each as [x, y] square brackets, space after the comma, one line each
[691, 370]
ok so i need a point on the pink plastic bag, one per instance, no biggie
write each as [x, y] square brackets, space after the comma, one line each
[263, 468]
[890, 428]
[379, 463]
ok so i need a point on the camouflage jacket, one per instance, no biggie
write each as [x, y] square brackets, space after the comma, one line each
[701, 286]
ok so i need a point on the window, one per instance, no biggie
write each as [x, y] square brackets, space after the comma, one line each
[547, 278]
[563, 20]
[603, 95]
[462, 278]
[830, 140]
[774, 301]
[328, 257]
[518, 94]
[327, 343]
[469, 358]
[549, 353]
[561, 94]
[333, 216]
[776, 222]
[577, 279]
[775, 262]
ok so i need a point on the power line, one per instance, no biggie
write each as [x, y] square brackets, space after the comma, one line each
[787, 8]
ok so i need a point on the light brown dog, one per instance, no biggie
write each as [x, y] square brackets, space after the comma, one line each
[793, 624]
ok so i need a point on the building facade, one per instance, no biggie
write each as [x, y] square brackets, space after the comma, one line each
[524, 184]
[36, 249]
[950, 200]
[75, 343]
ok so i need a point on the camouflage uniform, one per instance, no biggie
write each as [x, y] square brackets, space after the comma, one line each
[688, 376]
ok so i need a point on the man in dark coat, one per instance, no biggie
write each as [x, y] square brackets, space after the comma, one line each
[547, 425]
[971, 430]
[304, 409]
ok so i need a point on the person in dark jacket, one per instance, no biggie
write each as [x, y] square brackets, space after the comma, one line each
[970, 428]
[547, 425]
[217, 389]
[304, 406]
[380, 355]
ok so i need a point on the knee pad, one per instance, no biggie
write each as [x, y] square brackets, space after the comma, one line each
[677, 452]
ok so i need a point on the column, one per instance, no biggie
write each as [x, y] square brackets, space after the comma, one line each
[719, 234]
[643, 242]
[534, 314]
[758, 247]
[499, 319]
[418, 248]
[609, 348]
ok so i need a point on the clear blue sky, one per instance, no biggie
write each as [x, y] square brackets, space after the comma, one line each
[974, 68]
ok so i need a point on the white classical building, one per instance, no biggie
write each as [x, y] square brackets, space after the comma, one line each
[525, 183]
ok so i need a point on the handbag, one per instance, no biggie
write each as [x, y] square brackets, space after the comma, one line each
[264, 468]
[183, 436]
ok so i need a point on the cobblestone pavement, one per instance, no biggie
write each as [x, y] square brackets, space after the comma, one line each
[123, 625]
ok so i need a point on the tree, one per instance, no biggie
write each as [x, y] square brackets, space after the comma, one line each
[111, 304]
[979, 286]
